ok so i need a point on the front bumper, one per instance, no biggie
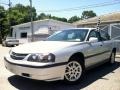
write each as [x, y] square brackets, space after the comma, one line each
[41, 72]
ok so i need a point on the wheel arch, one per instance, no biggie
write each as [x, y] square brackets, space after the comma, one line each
[79, 55]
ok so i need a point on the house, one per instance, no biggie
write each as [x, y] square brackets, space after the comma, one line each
[41, 29]
[108, 22]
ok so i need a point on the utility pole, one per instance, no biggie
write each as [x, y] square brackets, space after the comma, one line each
[10, 17]
[98, 24]
[31, 15]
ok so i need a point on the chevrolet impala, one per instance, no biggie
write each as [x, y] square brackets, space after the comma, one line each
[65, 55]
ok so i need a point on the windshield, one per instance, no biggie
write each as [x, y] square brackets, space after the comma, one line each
[69, 35]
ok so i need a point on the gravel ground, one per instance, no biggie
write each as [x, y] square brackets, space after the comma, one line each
[105, 77]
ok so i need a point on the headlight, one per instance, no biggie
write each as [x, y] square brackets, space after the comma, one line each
[41, 58]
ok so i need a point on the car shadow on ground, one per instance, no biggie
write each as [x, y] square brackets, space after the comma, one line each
[90, 77]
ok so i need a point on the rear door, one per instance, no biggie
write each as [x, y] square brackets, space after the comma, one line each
[107, 44]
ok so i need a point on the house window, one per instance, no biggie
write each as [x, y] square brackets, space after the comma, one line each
[24, 35]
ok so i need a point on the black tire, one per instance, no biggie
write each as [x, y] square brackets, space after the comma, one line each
[2, 44]
[112, 57]
[5, 45]
[74, 71]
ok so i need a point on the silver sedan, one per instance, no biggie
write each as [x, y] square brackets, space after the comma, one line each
[65, 55]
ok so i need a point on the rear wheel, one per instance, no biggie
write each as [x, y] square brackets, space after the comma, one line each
[112, 57]
[74, 71]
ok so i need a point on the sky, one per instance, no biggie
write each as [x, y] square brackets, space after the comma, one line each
[45, 5]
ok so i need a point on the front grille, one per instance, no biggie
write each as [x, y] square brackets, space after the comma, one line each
[18, 56]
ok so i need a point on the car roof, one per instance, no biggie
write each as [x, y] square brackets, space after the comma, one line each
[80, 28]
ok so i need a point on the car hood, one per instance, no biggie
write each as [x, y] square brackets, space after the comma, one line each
[42, 47]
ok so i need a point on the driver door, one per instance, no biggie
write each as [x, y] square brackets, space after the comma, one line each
[94, 49]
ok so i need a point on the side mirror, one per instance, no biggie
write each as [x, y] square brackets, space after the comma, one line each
[93, 39]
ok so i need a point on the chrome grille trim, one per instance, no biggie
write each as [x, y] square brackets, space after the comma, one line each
[18, 56]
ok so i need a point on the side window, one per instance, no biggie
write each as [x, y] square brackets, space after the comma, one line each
[104, 36]
[92, 34]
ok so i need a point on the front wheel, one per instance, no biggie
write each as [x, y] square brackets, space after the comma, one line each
[74, 72]
[2, 44]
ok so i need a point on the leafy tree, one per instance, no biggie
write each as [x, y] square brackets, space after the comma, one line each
[48, 16]
[87, 14]
[59, 19]
[3, 23]
[42, 16]
[21, 14]
[73, 19]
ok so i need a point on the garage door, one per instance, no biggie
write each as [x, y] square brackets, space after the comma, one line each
[115, 34]
[105, 28]
[114, 31]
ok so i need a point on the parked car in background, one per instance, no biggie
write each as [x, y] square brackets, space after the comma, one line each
[10, 41]
[65, 55]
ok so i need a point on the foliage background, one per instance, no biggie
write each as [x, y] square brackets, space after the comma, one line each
[21, 14]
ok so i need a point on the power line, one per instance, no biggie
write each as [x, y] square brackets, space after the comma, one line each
[84, 7]
[4, 4]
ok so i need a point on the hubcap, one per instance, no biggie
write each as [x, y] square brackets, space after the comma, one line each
[112, 58]
[73, 71]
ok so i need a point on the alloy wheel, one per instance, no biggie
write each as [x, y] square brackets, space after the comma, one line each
[73, 71]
